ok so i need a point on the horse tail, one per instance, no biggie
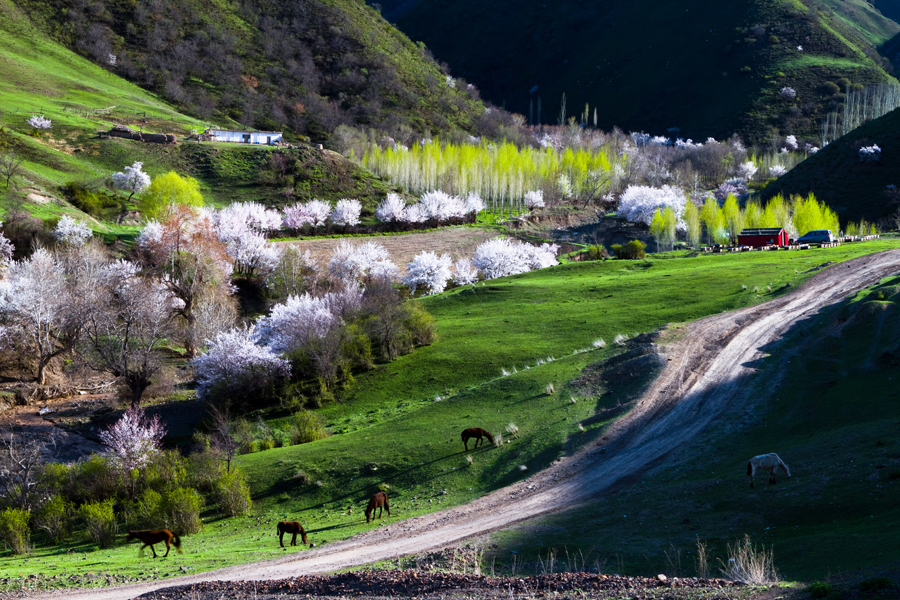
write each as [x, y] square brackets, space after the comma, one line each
[303, 535]
[176, 541]
[750, 468]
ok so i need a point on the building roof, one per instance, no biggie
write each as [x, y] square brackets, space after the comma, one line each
[240, 131]
[767, 231]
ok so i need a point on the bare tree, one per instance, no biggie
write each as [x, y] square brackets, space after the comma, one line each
[124, 325]
[226, 438]
[10, 165]
[21, 461]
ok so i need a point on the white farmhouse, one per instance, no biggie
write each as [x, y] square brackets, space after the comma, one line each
[243, 137]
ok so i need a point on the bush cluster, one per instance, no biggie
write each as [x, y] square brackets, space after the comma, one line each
[92, 499]
[633, 250]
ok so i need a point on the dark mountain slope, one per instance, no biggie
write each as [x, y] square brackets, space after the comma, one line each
[704, 66]
[854, 188]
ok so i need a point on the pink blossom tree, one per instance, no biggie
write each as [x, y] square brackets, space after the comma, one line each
[132, 441]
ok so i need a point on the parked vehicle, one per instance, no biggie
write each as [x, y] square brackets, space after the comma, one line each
[819, 236]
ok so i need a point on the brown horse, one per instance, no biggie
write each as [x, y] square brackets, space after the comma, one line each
[477, 433]
[154, 536]
[378, 500]
[291, 527]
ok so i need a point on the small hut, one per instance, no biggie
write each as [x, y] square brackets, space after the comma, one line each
[756, 238]
[242, 137]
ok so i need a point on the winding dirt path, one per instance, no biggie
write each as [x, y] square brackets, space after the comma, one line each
[702, 380]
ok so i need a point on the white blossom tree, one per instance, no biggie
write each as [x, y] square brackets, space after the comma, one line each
[132, 441]
[415, 213]
[499, 257]
[390, 210]
[777, 170]
[39, 122]
[235, 366]
[133, 180]
[534, 199]
[474, 203]
[429, 271]
[70, 232]
[294, 323]
[6, 252]
[639, 203]
[464, 273]
[747, 170]
[346, 213]
[37, 308]
[870, 153]
[358, 262]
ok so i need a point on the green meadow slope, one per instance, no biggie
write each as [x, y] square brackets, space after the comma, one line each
[855, 189]
[498, 349]
[706, 67]
[40, 76]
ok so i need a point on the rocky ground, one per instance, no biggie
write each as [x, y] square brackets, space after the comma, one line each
[416, 584]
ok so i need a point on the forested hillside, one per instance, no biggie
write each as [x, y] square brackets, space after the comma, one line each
[705, 67]
[856, 183]
[306, 67]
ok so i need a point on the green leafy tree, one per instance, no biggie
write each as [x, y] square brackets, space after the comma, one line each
[167, 190]
[734, 219]
[691, 216]
[711, 216]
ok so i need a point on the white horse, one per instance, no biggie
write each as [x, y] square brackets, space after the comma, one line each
[767, 462]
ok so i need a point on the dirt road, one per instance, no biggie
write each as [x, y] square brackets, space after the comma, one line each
[702, 380]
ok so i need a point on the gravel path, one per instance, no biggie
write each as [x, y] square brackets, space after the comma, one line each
[702, 380]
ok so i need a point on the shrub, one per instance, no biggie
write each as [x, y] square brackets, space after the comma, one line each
[180, 510]
[419, 323]
[875, 584]
[14, 530]
[749, 564]
[233, 494]
[633, 250]
[53, 518]
[166, 471]
[99, 522]
[203, 469]
[819, 589]
[94, 479]
[87, 200]
[306, 427]
[597, 252]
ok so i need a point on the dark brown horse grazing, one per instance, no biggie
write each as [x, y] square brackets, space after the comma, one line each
[154, 536]
[477, 433]
[378, 500]
[291, 527]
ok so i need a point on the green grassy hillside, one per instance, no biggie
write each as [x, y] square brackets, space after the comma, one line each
[306, 67]
[706, 67]
[855, 189]
[39, 76]
[828, 406]
[490, 367]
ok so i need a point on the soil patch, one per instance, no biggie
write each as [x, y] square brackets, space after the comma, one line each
[458, 242]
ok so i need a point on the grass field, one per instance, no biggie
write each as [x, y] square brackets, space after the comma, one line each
[399, 426]
[831, 414]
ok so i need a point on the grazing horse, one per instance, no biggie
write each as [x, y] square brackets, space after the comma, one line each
[475, 432]
[291, 527]
[154, 536]
[378, 500]
[766, 462]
